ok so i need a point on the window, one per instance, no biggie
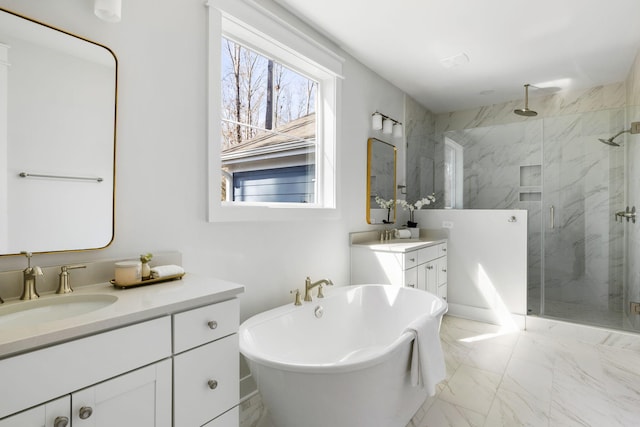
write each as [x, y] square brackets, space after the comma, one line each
[268, 139]
[453, 174]
[272, 118]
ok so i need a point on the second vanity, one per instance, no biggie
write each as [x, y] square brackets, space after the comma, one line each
[418, 263]
[160, 355]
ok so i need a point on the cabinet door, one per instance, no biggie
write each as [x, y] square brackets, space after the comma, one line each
[411, 277]
[442, 291]
[141, 398]
[427, 277]
[206, 382]
[53, 414]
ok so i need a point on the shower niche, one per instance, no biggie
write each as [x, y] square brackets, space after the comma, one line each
[531, 183]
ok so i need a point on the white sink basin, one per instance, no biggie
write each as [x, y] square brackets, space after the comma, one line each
[51, 308]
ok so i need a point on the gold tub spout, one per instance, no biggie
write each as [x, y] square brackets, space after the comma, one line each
[308, 286]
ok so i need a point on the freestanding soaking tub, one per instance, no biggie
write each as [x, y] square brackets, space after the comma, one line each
[344, 360]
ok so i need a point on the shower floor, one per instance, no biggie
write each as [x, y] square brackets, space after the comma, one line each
[579, 313]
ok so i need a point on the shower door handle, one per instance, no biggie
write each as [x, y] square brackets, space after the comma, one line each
[552, 217]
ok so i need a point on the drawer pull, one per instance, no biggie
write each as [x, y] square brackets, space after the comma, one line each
[412, 259]
[61, 422]
[429, 267]
[213, 384]
[212, 324]
[444, 270]
[412, 285]
[444, 249]
[85, 412]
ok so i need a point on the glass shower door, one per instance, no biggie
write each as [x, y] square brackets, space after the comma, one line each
[583, 187]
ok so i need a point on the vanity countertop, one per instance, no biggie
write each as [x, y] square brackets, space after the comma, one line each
[400, 245]
[132, 306]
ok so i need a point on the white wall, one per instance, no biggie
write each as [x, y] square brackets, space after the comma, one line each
[487, 262]
[161, 156]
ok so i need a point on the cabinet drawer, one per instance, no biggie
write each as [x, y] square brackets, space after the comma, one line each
[206, 382]
[442, 270]
[442, 249]
[427, 254]
[410, 260]
[205, 324]
[75, 364]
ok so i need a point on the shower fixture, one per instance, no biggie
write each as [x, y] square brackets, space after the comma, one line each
[635, 128]
[526, 111]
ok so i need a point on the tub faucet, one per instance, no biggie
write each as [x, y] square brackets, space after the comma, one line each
[308, 286]
[29, 275]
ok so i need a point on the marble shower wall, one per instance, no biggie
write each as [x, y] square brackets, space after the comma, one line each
[503, 162]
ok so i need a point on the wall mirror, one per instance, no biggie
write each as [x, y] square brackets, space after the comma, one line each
[57, 139]
[381, 182]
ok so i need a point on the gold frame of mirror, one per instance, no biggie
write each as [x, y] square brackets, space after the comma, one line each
[376, 165]
[109, 233]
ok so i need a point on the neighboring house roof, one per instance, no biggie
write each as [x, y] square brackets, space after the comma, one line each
[293, 138]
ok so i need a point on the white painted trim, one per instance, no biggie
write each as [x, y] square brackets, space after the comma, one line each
[253, 27]
[483, 315]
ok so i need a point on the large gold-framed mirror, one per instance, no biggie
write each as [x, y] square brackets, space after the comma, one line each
[57, 139]
[381, 182]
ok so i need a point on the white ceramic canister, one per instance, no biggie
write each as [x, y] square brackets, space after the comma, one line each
[128, 272]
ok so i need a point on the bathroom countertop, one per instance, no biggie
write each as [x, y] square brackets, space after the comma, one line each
[400, 245]
[133, 305]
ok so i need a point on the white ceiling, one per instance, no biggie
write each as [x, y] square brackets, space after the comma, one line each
[570, 43]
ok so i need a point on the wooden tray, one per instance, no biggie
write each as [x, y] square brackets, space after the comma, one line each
[146, 282]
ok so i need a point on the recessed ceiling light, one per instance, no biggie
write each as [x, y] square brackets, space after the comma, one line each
[455, 60]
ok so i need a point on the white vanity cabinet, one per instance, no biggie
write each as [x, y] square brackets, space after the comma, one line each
[180, 369]
[416, 264]
[432, 269]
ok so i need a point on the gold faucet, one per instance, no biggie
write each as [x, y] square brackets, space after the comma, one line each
[29, 275]
[308, 286]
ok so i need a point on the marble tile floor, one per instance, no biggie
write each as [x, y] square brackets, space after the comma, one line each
[522, 378]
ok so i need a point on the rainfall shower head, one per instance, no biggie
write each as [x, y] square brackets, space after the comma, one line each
[609, 142]
[526, 111]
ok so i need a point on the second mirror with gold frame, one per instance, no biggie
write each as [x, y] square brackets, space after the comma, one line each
[381, 182]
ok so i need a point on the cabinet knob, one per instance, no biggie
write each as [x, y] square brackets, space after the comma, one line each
[444, 270]
[85, 412]
[412, 259]
[212, 324]
[411, 285]
[444, 249]
[429, 267]
[61, 422]
[213, 384]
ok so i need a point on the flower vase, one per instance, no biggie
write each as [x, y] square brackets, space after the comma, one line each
[411, 224]
[146, 271]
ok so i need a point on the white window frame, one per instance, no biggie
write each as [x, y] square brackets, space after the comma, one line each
[273, 38]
